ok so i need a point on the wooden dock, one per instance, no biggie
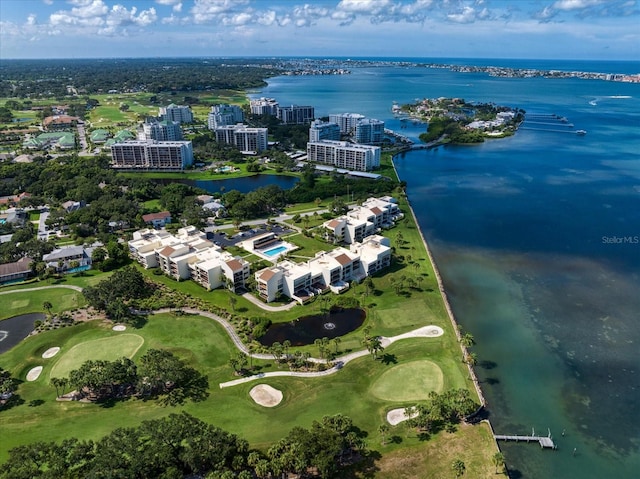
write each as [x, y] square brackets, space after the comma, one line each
[546, 442]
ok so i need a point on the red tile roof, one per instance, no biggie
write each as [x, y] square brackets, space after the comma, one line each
[156, 216]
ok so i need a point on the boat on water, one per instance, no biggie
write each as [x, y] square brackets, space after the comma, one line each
[581, 132]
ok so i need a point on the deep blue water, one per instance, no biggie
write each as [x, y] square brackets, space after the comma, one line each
[243, 185]
[538, 241]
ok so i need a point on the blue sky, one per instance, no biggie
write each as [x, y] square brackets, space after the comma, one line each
[546, 29]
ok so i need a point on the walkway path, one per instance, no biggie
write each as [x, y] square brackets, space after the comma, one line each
[266, 307]
[424, 332]
[338, 363]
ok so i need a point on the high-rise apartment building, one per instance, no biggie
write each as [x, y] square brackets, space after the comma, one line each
[179, 113]
[341, 154]
[152, 155]
[295, 115]
[369, 131]
[264, 106]
[322, 130]
[246, 139]
[346, 121]
[161, 130]
[223, 115]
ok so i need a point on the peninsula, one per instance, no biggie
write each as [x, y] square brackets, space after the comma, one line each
[454, 120]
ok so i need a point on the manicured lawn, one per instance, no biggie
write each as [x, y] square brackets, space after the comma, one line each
[409, 382]
[364, 389]
[205, 345]
[61, 299]
[108, 349]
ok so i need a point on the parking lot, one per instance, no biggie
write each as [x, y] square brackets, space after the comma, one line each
[225, 238]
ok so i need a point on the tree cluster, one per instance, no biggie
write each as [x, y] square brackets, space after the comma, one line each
[159, 374]
[49, 78]
[180, 445]
[261, 202]
[113, 294]
[170, 447]
[442, 411]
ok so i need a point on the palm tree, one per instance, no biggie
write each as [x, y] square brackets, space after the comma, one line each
[458, 467]
[336, 342]
[56, 382]
[472, 359]
[286, 344]
[498, 461]
[467, 340]
[383, 430]
[47, 306]
[232, 302]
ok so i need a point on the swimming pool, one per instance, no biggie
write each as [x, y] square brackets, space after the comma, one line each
[274, 251]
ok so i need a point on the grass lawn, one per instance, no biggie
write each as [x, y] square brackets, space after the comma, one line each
[412, 381]
[108, 349]
[61, 299]
[364, 389]
[205, 345]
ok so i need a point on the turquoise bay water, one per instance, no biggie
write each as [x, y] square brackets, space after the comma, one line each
[538, 241]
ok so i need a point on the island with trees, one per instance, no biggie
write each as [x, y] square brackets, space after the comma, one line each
[456, 121]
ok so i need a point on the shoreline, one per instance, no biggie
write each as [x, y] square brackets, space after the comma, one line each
[443, 295]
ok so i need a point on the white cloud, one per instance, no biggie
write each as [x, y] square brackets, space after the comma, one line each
[205, 11]
[31, 19]
[467, 15]
[575, 4]
[267, 18]
[369, 7]
[177, 7]
[168, 2]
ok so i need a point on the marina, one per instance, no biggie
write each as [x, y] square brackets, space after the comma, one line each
[550, 122]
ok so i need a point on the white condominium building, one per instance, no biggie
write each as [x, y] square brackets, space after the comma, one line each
[247, 140]
[322, 130]
[295, 115]
[369, 131]
[327, 270]
[188, 255]
[179, 113]
[341, 154]
[152, 155]
[264, 106]
[161, 130]
[223, 115]
[363, 221]
[346, 121]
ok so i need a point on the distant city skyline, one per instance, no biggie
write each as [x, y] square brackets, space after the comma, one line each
[527, 29]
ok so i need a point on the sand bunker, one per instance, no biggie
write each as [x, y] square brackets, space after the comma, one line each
[119, 327]
[396, 416]
[265, 395]
[51, 352]
[34, 373]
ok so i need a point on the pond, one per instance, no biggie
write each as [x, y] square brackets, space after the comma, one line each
[305, 330]
[244, 184]
[14, 330]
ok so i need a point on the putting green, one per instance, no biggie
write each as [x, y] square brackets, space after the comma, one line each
[411, 381]
[108, 349]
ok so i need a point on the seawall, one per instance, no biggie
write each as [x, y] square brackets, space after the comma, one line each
[443, 294]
